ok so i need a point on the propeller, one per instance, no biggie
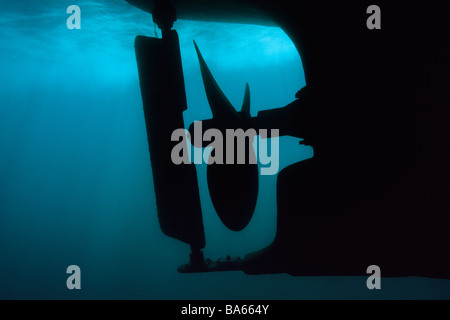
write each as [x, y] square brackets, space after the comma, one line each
[233, 187]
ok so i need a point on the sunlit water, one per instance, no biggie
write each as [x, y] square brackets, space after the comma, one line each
[76, 183]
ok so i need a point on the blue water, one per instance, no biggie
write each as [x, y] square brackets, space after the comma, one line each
[76, 182]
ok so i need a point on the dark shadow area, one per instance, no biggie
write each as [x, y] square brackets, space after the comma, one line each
[375, 111]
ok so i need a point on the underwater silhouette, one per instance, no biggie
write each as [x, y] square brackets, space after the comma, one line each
[235, 214]
[375, 110]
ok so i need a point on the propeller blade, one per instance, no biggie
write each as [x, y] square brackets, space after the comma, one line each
[245, 110]
[218, 102]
